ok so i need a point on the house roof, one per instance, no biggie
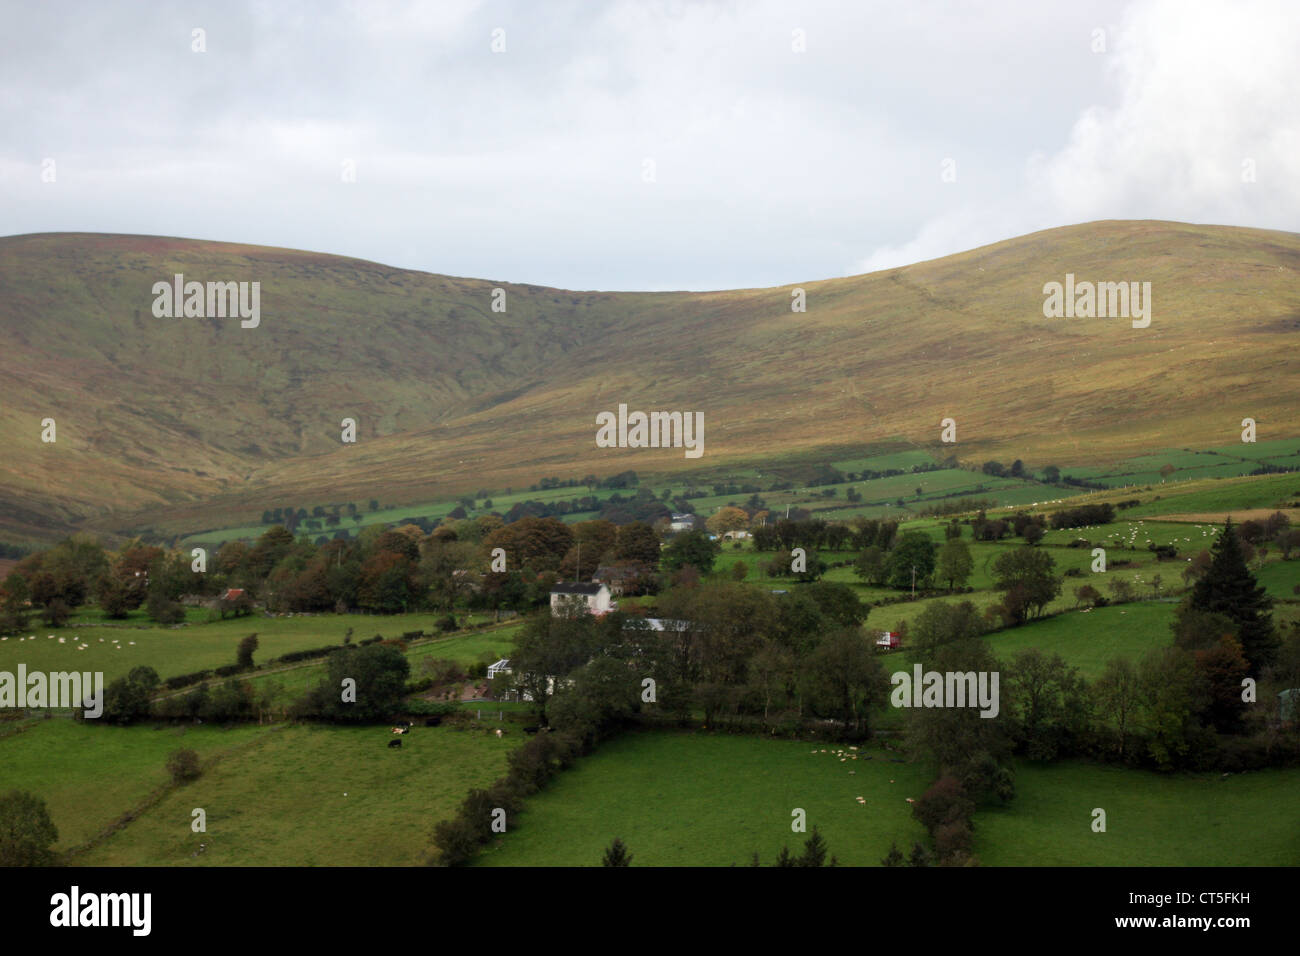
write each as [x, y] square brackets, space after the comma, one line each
[232, 593]
[577, 587]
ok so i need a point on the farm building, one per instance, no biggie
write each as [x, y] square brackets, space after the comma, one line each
[685, 522]
[618, 576]
[889, 640]
[592, 597]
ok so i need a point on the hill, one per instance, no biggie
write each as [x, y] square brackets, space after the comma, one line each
[203, 423]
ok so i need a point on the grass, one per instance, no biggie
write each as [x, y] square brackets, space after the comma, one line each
[91, 773]
[462, 648]
[1224, 495]
[1088, 639]
[681, 799]
[1151, 819]
[1280, 578]
[711, 800]
[314, 796]
[173, 651]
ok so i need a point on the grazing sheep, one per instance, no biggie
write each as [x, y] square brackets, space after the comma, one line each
[499, 732]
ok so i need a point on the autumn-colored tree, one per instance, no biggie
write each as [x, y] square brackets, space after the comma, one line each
[1223, 667]
[727, 518]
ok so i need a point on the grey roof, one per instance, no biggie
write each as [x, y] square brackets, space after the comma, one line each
[576, 587]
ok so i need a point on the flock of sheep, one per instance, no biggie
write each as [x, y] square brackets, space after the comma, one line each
[116, 643]
[852, 754]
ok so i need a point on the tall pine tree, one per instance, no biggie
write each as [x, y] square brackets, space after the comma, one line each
[1228, 588]
[616, 854]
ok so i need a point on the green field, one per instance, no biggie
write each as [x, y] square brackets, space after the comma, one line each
[462, 648]
[196, 647]
[279, 801]
[1247, 819]
[697, 799]
[89, 774]
[1280, 578]
[1225, 495]
[1088, 639]
[709, 800]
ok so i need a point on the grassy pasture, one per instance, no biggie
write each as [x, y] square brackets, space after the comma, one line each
[711, 800]
[91, 773]
[1259, 449]
[1224, 495]
[898, 459]
[313, 796]
[1151, 819]
[1155, 479]
[463, 648]
[172, 651]
[698, 799]
[1280, 578]
[1088, 639]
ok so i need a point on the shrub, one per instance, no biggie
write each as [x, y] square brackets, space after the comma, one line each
[26, 830]
[952, 838]
[244, 654]
[944, 803]
[292, 656]
[456, 840]
[1083, 515]
[183, 765]
[428, 708]
[163, 610]
[185, 680]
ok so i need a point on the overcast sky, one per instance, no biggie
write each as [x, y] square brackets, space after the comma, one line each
[768, 165]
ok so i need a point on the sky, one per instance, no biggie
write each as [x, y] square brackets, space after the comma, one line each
[645, 145]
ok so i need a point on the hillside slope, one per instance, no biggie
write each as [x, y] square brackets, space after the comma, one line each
[199, 417]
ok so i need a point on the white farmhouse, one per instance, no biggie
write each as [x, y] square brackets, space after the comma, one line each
[593, 597]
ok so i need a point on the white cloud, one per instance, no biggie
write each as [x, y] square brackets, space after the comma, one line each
[1203, 92]
[772, 166]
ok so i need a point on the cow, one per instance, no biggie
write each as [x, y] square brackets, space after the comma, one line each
[395, 742]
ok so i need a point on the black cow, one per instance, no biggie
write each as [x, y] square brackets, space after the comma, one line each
[395, 742]
[530, 730]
